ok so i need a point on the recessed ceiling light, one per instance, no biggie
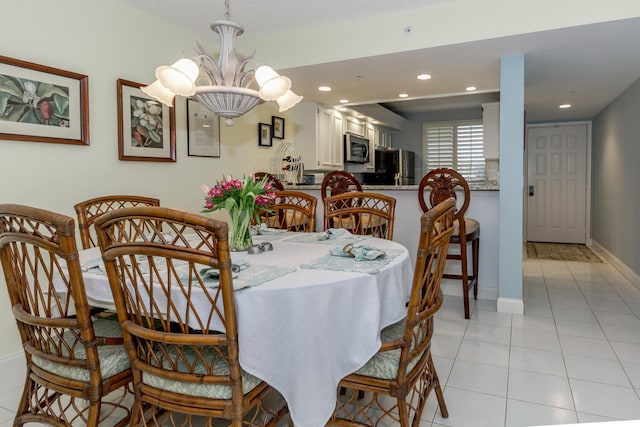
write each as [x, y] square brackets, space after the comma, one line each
[344, 101]
[403, 95]
[471, 88]
[341, 108]
[360, 116]
[564, 106]
[324, 88]
[424, 76]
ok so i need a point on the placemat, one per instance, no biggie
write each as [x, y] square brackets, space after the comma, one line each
[338, 263]
[313, 238]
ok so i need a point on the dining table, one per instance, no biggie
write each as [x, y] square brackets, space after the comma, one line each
[312, 315]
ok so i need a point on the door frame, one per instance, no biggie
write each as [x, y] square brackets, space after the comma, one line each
[588, 124]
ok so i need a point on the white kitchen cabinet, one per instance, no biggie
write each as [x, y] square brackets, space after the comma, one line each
[355, 126]
[384, 137]
[491, 124]
[371, 133]
[319, 136]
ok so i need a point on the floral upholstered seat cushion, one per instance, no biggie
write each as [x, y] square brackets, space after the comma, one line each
[384, 364]
[212, 391]
[113, 358]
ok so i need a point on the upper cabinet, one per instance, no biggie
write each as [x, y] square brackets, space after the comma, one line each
[371, 133]
[355, 126]
[384, 138]
[491, 124]
[318, 136]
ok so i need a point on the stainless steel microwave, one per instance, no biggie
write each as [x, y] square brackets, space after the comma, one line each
[356, 149]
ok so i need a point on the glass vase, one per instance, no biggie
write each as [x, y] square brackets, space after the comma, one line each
[240, 229]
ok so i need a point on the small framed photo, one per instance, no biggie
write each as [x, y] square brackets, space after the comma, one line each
[264, 135]
[203, 130]
[43, 104]
[146, 127]
[277, 123]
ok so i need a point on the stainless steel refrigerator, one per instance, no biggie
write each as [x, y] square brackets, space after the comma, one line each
[395, 166]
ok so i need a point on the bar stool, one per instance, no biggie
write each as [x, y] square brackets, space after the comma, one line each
[440, 184]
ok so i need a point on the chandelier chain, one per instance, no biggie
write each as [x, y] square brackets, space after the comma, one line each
[227, 15]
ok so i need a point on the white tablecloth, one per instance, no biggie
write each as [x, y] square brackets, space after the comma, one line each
[306, 330]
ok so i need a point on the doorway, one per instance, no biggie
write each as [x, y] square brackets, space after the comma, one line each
[557, 198]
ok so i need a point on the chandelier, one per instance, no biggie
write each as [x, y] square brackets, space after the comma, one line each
[223, 86]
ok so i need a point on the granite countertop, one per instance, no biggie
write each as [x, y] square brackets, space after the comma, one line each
[368, 187]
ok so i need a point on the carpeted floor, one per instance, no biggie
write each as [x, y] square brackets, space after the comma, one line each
[561, 252]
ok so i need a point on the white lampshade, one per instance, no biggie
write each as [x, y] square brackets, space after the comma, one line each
[272, 85]
[159, 92]
[264, 73]
[288, 100]
[179, 77]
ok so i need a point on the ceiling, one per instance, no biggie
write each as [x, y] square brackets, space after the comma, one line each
[586, 66]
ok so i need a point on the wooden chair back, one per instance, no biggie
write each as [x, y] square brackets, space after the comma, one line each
[361, 213]
[293, 211]
[338, 182]
[392, 388]
[440, 184]
[46, 289]
[436, 227]
[182, 357]
[89, 210]
[275, 183]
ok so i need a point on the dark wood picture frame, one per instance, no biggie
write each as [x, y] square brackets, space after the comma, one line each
[265, 135]
[147, 134]
[277, 126]
[43, 104]
[203, 131]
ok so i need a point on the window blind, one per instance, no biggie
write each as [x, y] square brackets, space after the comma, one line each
[455, 145]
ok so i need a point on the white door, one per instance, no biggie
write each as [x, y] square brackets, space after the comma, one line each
[557, 177]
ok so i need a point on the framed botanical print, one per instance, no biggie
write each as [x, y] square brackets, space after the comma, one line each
[277, 125]
[43, 104]
[264, 135]
[146, 127]
[203, 130]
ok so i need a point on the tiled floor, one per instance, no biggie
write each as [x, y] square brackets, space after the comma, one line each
[574, 357]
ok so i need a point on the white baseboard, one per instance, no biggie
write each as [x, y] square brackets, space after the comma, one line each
[510, 305]
[616, 263]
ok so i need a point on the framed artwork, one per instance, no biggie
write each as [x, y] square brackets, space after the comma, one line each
[146, 127]
[277, 123]
[264, 135]
[43, 104]
[203, 131]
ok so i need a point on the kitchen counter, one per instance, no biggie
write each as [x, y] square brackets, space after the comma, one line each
[372, 187]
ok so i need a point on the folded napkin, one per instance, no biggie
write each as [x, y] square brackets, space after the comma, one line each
[360, 252]
[210, 272]
[335, 233]
[263, 229]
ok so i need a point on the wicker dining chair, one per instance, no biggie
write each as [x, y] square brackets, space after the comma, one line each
[275, 183]
[73, 361]
[184, 360]
[89, 210]
[292, 210]
[436, 186]
[361, 213]
[397, 380]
